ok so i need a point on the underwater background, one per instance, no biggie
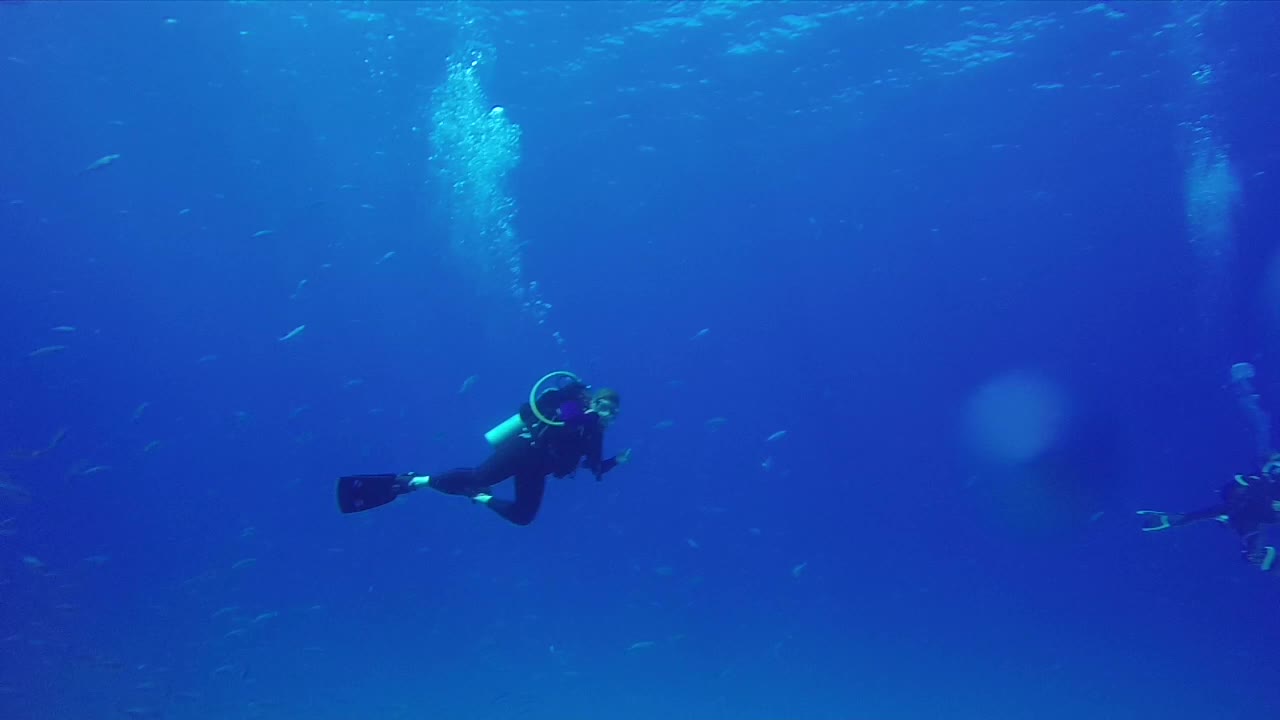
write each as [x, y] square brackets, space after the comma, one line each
[911, 306]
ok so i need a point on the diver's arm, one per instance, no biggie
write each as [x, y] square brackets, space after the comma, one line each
[603, 467]
[1255, 550]
[598, 466]
[592, 461]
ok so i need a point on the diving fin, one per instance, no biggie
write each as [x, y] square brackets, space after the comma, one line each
[357, 493]
[1153, 520]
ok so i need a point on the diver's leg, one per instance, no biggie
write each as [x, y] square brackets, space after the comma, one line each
[1153, 520]
[1255, 551]
[1250, 402]
[459, 481]
[530, 487]
[505, 461]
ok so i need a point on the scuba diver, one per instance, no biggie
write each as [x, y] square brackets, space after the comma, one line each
[557, 431]
[1249, 503]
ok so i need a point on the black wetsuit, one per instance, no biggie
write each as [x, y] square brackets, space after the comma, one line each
[1246, 507]
[531, 456]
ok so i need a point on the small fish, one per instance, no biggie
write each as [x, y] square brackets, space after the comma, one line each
[266, 616]
[466, 384]
[239, 564]
[151, 446]
[776, 436]
[63, 329]
[797, 570]
[138, 411]
[12, 492]
[93, 470]
[641, 645]
[53, 445]
[224, 611]
[262, 234]
[56, 440]
[386, 257]
[184, 211]
[293, 333]
[664, 425]
[700, 334]
[100, 163]
[46, 350]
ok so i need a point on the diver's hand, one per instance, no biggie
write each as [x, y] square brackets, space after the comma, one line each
[624, 457]
[1153, 520]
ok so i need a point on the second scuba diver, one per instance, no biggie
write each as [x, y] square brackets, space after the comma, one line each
[1248, 502]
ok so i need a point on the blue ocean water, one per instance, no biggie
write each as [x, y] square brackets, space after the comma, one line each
[911, 306]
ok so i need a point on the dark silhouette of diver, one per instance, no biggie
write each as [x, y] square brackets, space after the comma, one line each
[1248, 503]
[556, 433]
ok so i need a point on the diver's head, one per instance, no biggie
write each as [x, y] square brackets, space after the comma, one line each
[606, 403]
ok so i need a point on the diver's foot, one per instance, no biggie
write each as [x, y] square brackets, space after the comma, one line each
[417, 481]
[1242, 371]
[1242, 375]
[481, 497]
